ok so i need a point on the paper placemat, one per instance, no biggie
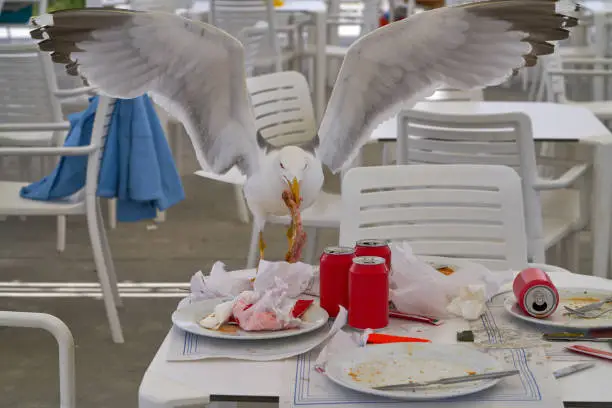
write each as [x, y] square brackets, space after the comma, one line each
[535, 387]
[498, 329]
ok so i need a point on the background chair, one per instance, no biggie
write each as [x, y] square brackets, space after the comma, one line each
[83, 203]
[554, 208]
[65, 343]
[463, 211]
[31, 110]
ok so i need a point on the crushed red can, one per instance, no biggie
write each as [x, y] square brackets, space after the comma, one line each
[374, 247]
[535, 293]
[334, 268]
[368, 293]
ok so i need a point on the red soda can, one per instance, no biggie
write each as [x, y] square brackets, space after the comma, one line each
[374, 247]
[535, 293]
[334, 268]
[368, 293]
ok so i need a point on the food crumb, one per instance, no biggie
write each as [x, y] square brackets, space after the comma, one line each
[471, 372]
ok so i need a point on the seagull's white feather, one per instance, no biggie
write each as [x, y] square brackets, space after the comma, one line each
[193, 70]
[396, 66]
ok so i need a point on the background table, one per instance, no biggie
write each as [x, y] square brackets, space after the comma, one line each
[169, 384]
[318, 9]
[550, 122]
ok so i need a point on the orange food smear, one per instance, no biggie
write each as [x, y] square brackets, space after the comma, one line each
[471, 372]
[446, 270]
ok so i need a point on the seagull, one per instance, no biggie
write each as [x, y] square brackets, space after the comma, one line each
[196, 72]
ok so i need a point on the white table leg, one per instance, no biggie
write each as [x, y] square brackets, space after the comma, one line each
[601, 217]
[320, 65]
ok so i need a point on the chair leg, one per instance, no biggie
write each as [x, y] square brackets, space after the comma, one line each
[61, 233]
[108, 258]
[311, 246]
[99, 259]
[112, 213]
[243, 210]
[253, 248]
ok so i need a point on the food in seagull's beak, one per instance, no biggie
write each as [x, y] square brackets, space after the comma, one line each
[295, 234]
[294, 187]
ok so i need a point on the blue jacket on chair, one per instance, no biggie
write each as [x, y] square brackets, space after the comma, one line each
[137, 165]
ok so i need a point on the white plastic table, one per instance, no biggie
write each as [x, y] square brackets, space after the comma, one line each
[195, 383]
[318, 9]
[550, 122]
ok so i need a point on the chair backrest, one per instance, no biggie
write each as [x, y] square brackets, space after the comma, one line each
[462, 211]
[252, 39]
[283, 107]
[500, 139]
[101, 125]
[234, 15]
[27, 83]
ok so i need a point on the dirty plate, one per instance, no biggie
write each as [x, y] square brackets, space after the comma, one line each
[378, 365]
[187, 318]
[573, 298]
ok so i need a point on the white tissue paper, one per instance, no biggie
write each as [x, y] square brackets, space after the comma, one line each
[296, 276]
[419, 288]
[218, 283]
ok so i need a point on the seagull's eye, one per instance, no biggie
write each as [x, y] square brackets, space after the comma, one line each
[282, 166]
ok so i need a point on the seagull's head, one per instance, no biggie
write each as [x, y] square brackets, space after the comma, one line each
[293, 162]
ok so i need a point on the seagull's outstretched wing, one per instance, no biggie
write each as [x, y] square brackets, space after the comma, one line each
[463, 47]
[194, 70]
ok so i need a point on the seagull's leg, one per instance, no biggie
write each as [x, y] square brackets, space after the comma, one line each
[262, 246]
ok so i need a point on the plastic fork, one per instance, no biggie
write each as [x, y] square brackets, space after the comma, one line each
[592, 306]
[588, 315]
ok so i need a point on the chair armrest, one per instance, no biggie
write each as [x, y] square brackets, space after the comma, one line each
[69, 93]
[33, 127]
[48, 151]
[566, 180]
[65, 343]
[583, 72]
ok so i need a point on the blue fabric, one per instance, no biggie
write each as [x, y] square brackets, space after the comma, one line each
[21, 16]
[137, 166]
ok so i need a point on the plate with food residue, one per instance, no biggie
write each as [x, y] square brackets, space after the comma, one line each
[378, 365]
[189, 316]
[574, 298]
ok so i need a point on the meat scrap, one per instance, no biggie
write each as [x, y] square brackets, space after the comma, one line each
[296, 234]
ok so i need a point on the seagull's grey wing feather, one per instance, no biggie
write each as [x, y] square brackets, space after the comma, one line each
[194, 70]
[463, 47]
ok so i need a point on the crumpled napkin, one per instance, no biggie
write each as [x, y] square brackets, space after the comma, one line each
[471, 302]
[219, 283]
[418, 288]
[297, 277]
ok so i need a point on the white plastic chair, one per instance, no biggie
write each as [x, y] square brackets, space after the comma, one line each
[84, 202]
[234, 15]
[284, 115]
[555, 211]
[555, 72]
[30, 107]
[462, 211]
[65, 343]
[441, 95]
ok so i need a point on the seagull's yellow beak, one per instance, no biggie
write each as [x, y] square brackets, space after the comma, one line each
[294, 186]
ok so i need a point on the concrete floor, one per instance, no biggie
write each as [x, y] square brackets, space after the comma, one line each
[199, 231]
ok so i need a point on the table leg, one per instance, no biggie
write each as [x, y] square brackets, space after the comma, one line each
[320, 65]
[601, 217]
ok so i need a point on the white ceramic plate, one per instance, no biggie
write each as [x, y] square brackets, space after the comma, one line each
[362, 368]
[574, 298]
[187, 318]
